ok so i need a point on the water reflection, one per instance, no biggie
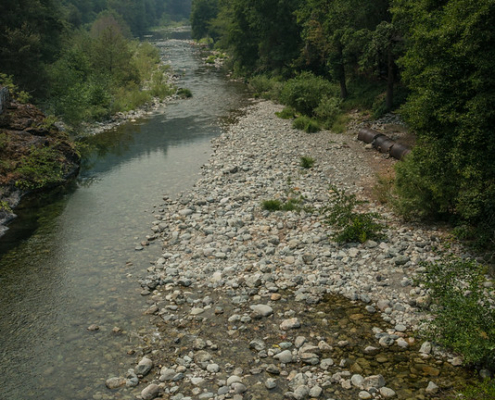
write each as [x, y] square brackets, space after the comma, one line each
[76, 264]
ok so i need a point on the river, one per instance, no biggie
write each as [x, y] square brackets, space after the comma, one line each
[71, 262]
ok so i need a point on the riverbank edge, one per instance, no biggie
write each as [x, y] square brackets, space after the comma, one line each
[229, 162]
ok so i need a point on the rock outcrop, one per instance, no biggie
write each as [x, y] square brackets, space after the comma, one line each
[34, 153]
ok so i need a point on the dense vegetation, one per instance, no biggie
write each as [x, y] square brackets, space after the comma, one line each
[77, 57]
[433, 57]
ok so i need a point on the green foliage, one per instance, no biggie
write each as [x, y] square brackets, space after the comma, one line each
[306, 124]
[256, 41]
[271, 205]
[383, 189]
[420, 194]
[464, 318]
[265, 87]
[39, 169]
[87, 85]
[307, 162]
[210, 59]
[363, 94]
[184, 93]
[447, 68]
[485, 390]
[354, 226]
[286, 113]
[292, 204]
[340, 123]
[202, 13]
[5, 206]
[20, 95]
[328, 111]
[30, 38]
[305, 92]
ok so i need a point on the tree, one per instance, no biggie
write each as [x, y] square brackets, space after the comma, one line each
[263, 35]
[30, 38]
[203, 12]
[448, 66]
[336, 33]
[111, 55]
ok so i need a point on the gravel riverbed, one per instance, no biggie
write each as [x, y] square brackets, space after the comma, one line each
[252, 304]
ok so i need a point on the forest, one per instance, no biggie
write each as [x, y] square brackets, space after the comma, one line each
[430, 60]
[79, 59]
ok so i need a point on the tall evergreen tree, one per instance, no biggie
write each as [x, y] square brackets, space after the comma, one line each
[30, 38]
[448, 66]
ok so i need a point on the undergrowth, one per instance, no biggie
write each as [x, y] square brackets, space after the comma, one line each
[354, 226]
[463, 313]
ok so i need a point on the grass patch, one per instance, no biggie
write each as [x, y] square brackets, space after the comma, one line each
[306, 124]
[340, 123]
[271, 205]
[307, 162]
[382, 191]
[286, 113]
[354, 226]
[485, 390]
[291, 204]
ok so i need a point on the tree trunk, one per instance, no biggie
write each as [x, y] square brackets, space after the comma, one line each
[390, 79]
[341, 73]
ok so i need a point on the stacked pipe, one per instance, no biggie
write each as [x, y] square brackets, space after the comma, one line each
[383, 143]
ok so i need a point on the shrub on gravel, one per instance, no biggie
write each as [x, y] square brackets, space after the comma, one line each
[355, 227]
[307, 162]
[305, 92]
[306, 124]
[286, 113]
[463, 311]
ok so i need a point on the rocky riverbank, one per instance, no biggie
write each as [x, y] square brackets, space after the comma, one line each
[35, 155]
[252, 304]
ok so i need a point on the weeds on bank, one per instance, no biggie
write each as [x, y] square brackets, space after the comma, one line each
[5, 206]
[354, 226]
[307, 162]
[306, 124]
[294, 201]
[485, 390]
[184, 93]
[382, 190]
[40, 169]
[463, 313]
[286, 113]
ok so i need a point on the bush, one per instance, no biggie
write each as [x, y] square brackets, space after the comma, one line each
[286, 113]
[305, 92]
[271, 205]
[306, 124]
[307, 162]
[355, 227]
[464, 317]
[328, 111]
[265, 87]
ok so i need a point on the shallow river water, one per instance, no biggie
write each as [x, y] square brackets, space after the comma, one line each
[71, 263]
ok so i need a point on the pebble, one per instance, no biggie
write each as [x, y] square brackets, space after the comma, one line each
[235, 283]
[150, 392]
[144, 366]
[114, 383]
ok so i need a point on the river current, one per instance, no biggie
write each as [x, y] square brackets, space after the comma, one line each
[70, 262]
